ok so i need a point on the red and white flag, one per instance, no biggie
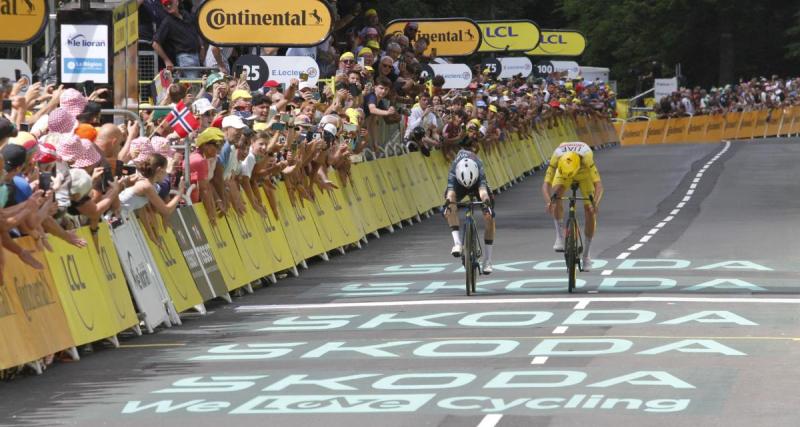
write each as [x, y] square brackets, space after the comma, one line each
[182, 121]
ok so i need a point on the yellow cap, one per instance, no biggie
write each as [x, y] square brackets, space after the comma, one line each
[568, 85]
[371, 12]
[492, 108]
[562, 100]
[259, 126]
[372, 44]
[492, 87]
[347, 55]
[353, 115]
[364, 51]
[368, 68]
[475, 122]
[240, 94]
[469, 105]
[209, 135]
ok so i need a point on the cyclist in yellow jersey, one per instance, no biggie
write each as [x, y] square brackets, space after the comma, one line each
[573, 161]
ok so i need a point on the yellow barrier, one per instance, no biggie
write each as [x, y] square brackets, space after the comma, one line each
[713, 128]
[82, 296]
[32, 318]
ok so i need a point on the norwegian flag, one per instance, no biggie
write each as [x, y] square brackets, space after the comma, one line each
[182, 120]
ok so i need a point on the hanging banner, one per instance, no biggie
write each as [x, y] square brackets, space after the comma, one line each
[270, 23]
[197, 253]
[143, 280]
[560, 43]
[510, 67]
[22, 22]
[509, 36]
[456, 76]
[545, 68]
[446, 37]
[84, 53]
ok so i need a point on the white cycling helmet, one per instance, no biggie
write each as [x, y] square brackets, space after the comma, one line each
[467, 172]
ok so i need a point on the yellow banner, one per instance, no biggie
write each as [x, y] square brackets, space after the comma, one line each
[276, 242]
[560, 43]
[714, 128]
[82, 294]
[269, 23]
[676, 130]
[106, 266]
[696, 132]
[634, 133]
[326, 222]
[221, 243]
[173, 269]
[298, 226]
[731, 129]
[22, 21]
[656, 131]
[509, 36]
[365, 177]
[32, 319]
[120, 19]
[447, 37]
[249, 244]
[774, 119]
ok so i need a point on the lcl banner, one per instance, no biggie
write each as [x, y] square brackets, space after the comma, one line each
[509, 36]
[446, 37]
[560, 43]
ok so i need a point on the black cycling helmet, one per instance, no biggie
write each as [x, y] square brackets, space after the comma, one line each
[417, 133]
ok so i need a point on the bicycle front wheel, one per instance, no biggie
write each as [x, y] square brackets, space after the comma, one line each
[571, 253]
[467, 255]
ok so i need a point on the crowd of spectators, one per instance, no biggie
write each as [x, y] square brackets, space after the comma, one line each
[755, 94]
[63, 167]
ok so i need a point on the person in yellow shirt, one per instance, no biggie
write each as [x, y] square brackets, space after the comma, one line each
[573, 161]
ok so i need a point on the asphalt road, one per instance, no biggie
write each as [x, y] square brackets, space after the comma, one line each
[689, 317]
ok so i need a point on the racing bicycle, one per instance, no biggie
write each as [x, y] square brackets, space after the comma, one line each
[573, 243]
[473, 251]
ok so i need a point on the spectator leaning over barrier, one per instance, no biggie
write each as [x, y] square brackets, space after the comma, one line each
[202, 163]
[151, 170]
[229, 162]
[177, 39]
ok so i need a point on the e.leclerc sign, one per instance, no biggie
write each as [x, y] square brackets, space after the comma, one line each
[259, 22]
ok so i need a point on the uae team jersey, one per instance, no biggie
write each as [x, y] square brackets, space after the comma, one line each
[587, 161]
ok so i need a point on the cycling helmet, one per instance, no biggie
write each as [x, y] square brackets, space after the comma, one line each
[467, 172]
[417, 133]
[568, 164]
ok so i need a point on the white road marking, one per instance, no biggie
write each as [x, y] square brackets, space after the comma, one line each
[522, 300]
[679, 206]
[539, 360]
[583, 303]
[606, 272]
[491, 420]
[560, 329]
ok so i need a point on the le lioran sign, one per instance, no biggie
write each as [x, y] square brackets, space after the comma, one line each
[449, 36]
[22, 21]
[560, 43]
[509, 36]
[264, 22]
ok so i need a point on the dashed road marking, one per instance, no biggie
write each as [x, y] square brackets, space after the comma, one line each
[539, 360]
[491, 420]
[560, 329]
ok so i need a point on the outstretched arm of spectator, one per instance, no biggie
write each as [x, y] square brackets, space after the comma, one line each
[163, 55]
[51, 226]
[24, 255]
[207, 196]
[219, 187]
[252, 196]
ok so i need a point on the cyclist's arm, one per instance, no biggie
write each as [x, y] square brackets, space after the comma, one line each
[598, 192]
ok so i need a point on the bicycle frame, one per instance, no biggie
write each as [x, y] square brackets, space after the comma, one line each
[473, 251]
[573, 242]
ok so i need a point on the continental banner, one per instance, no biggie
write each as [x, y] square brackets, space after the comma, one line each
[712, 128]
[32, 319]
[22, 22]
[447, 36]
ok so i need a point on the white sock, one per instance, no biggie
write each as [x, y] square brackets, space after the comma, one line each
[487, 253]
[456, 237]
[559, 234]
[586, 245]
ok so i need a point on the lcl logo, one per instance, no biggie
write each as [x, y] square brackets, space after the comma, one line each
[553, 39]
[500, 32]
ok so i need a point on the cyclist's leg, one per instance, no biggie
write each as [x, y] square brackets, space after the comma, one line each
[560, 184]
[489, 228]
[590, 219]
[452, 220]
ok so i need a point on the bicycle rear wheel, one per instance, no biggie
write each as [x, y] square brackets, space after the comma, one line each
[571, 253]
[467, 255]
[476, 255]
